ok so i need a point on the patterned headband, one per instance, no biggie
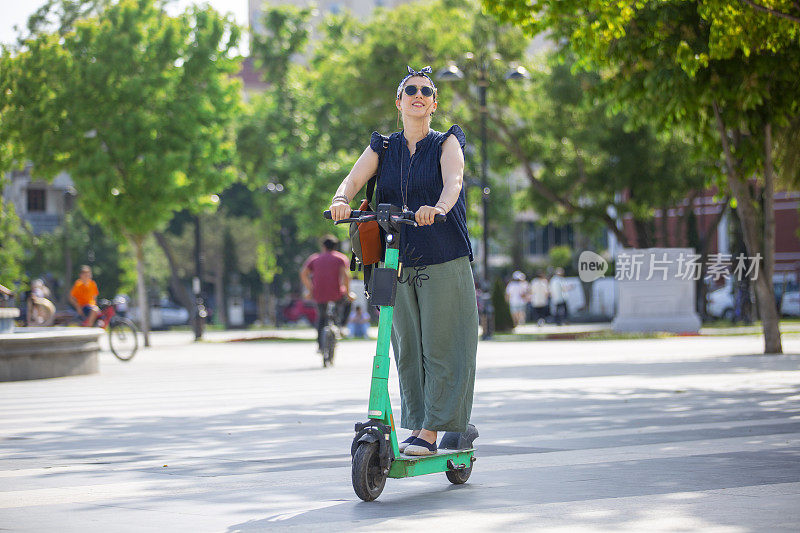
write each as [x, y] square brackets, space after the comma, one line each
[411, 73]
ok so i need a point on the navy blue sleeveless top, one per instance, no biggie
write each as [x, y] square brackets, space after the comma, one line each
[421, 184]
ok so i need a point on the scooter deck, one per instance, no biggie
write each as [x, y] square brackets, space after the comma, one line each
[418, 465]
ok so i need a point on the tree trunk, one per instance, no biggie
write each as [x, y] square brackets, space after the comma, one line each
[771, 320]
[261, 302]
[644, 233]
[683, 224]
[662, 230]
[144, 308]
[271, 303]
[765, 297]
[178, 289]
[221, 313]
[517, 246]
[769, 206]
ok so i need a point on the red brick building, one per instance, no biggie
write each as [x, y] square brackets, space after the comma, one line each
[670, 228]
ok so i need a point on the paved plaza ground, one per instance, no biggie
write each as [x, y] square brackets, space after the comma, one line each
[670, 434]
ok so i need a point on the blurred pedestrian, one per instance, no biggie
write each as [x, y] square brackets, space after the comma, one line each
[41, 310]
[742, 307]
[517, 296]
[540, 294]
[121, 304]
[358, 322]
[558, 295]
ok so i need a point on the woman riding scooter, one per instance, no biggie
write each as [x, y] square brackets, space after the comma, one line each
[435, 326]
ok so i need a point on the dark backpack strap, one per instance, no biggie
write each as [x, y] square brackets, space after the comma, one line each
[367, 277]
[373, 180]
[354, 263]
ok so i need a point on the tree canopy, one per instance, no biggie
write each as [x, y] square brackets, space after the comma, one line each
[135, 104]
[12, 245]
[724, 71]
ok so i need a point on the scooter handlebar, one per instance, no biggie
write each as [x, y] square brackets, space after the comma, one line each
[355, 213]
[357, 216]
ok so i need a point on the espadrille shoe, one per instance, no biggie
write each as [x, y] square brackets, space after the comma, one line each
[403, 445]
[420, 447]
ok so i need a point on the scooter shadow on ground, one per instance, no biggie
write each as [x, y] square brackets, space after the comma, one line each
[388, 507]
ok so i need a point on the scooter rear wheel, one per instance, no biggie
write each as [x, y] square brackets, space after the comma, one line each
[367, 474]
[458, 477]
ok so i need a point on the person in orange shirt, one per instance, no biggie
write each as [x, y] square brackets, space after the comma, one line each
[83, 296]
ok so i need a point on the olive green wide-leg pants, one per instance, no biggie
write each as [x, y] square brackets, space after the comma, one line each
[435, 340]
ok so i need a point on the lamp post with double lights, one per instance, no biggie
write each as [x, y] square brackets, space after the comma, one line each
[279, 237]
[200, 308]
[69, 202]
[453, 73]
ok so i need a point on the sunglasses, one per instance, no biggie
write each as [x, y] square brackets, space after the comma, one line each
[411, 90]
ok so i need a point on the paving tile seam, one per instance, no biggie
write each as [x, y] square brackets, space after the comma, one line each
[111, 402]
[619, 454]
[500, 461]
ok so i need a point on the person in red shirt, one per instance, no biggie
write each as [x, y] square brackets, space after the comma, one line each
[83, 296]
[326, 277]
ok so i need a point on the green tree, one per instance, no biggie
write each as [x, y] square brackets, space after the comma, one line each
[746, 26]
[679, 63]
[581, 158]
[286, 157]
[585, 162]
[113, 265]
[560, 256]
[12, 245]
[135, 104]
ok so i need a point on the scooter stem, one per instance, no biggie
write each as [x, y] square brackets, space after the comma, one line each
[380, 407]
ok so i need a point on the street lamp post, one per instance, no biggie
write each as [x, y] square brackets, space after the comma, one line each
[200, 312]
[69, 200]
[485, 190]
[274, 188]
[452, 73]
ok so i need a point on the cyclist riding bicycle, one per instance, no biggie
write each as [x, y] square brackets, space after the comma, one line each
[83, 296]
[326, 276]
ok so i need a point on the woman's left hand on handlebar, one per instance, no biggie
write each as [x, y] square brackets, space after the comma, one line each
[425, 214]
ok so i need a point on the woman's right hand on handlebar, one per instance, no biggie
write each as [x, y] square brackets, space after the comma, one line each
[340, 210]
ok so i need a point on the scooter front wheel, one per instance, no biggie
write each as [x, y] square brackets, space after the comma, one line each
[368, 476]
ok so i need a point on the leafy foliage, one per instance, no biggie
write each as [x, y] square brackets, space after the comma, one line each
[576, 154]
[285, 158]
[134, 104]
[112, 263]
[746, 26]
[583, 156]
[724, 71]
[12, 245]
[560, 256]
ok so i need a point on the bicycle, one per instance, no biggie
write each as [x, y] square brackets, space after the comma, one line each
[122, 332]
[330, 333]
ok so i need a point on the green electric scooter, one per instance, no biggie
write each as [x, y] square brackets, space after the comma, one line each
[375, 453]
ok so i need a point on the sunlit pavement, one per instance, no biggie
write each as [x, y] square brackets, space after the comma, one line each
[674, 434]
